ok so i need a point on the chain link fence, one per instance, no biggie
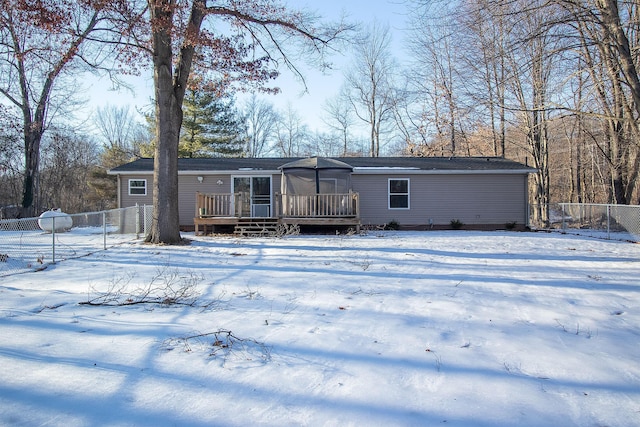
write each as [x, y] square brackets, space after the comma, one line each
[609, 221]
[33, 243]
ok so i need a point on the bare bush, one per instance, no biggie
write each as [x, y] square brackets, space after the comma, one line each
[287, 230]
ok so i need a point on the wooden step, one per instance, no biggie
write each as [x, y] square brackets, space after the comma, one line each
[256, 228]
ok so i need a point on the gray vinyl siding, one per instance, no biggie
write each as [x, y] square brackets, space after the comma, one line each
[188, 186]
[474, 199]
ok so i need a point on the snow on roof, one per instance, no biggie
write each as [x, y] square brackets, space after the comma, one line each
[359, 163]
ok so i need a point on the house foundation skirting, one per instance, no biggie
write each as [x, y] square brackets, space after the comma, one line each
[209, 225]
[204, 225]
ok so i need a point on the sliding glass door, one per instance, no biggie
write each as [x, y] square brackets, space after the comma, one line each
[255, 195]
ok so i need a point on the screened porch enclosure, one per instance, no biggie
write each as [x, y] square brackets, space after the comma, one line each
[317, 188]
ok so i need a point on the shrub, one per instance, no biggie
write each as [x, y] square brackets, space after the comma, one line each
[456, 224]
[393, 225]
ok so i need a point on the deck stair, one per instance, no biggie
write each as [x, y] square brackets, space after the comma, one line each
[257, 227]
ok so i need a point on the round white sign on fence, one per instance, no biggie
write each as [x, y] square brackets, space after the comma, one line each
[62, 221]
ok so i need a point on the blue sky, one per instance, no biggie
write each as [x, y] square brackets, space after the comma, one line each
[320, 86]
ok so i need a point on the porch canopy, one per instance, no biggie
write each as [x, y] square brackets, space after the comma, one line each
[316, 175]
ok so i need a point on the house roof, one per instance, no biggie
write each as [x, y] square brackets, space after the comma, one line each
[379, 164]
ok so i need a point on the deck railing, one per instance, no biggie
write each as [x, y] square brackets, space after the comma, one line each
[286, 205]
[318, 205]
[211, 205]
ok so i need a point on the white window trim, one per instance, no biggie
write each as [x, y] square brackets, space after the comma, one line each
[408, 194]
[137, 194]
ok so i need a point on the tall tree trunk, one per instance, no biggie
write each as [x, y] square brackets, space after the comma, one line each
[622, 110]
[33, 121]
[30, 203]
[373, 124]
[616, 158]
[577, 176]
[577, 158]
[613, 25]
[169, 91]
[539, 143]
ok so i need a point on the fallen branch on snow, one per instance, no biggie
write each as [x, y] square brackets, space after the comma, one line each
[222, 342]
[167, 287]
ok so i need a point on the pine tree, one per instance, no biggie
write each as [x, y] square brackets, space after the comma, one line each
[210, 126]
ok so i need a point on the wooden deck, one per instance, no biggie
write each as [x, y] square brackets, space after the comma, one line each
[321, 210]
[206, 224]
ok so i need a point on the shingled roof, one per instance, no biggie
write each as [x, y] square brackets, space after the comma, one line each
[274, 163]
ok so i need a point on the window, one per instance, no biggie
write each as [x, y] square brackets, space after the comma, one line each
[398, 194]
[137, 187]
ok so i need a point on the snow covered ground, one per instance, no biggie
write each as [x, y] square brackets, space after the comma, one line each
[391, 328]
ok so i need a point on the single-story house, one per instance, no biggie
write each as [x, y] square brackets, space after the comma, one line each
[412, 192]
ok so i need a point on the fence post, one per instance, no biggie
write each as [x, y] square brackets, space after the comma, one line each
[104, 230]
[563, 225]
[137, 221]
[144, 219]
[53, 239]
[609, 222]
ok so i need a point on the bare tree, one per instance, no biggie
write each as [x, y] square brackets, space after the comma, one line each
[339, 117]
[555, 83]
[323, 144]
[617, 38]
[411, 110]
[486, 36]
[530, 63]
[437, 106]
[10, 164]
[291, 134]
[260, 118]
[122, 134]
[435, 52]
[606, 63]
[67, 164]
[370, 80]
[42, 42]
